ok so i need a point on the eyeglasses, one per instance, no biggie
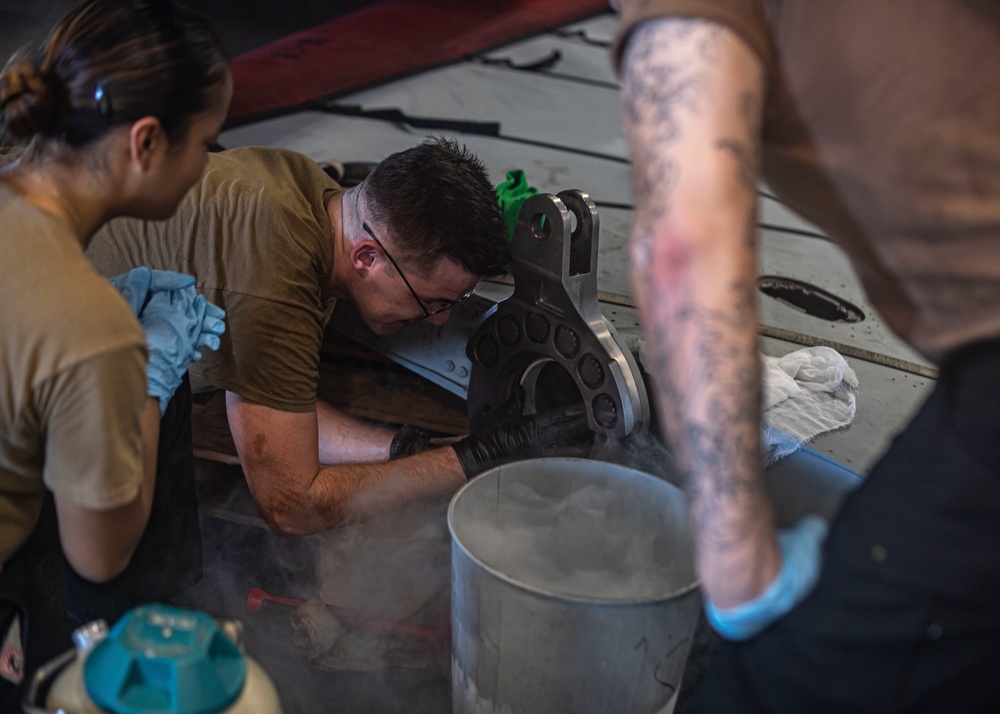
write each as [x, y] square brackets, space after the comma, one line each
[427, 313]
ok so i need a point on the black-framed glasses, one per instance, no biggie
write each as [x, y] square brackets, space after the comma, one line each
[427, 313]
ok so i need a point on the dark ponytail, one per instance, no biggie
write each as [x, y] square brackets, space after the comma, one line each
[28, 103]
[109, 63]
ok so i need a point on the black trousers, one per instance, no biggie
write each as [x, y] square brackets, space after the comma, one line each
[906, 614]
[53, 600]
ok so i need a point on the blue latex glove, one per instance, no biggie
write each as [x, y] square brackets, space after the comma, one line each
[138, 284]
[178, 324]
[209, 324]
[801, 558]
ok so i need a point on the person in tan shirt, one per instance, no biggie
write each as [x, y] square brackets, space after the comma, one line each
[879, 122]
[118, 111]
[274, 241]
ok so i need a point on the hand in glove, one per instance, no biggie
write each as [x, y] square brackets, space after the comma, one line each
[138, 284]
[409, 440]
[178, 324]
[209, 324]
[512, 437]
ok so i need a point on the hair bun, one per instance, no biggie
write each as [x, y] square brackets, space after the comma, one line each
[27, 103]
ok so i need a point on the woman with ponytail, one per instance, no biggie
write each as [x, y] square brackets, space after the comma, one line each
[115, 117]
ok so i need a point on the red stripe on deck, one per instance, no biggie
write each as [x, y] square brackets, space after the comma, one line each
[382, 42]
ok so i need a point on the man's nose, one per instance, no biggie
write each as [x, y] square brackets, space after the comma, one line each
[440, 318]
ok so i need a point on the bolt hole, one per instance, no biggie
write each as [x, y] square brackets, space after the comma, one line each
[540, 228]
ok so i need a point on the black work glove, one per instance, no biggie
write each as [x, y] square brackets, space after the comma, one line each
[409, 440]
[512, 437]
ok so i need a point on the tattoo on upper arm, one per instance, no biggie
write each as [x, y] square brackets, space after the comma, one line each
[657, 91]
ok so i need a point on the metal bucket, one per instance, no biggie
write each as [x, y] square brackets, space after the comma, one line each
[573, 590]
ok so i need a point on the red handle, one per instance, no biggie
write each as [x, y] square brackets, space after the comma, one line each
[256, 598]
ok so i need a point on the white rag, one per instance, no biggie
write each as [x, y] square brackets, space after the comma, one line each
[806, 393]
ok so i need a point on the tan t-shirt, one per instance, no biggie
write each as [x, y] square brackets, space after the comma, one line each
[255, 234]
[882, 126]
[72, 376]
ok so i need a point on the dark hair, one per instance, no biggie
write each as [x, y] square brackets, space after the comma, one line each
[436, 200]
[109, 63]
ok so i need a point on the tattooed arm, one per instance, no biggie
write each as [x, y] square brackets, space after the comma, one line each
[692, 95]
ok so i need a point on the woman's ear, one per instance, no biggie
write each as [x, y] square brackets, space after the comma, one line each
[146, 137]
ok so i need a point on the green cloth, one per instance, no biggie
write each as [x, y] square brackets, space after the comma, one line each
[511, 194]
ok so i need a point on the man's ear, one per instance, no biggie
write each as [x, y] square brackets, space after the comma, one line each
[364, 255]
[146, 137]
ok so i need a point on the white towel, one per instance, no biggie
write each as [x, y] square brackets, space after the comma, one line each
[806, 393]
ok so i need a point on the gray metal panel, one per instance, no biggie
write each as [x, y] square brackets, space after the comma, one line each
[824, 265]
[772, 212]
[327, 136]
[579, 60]
[528, 105]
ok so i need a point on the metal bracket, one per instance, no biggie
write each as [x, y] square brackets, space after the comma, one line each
[554, 317]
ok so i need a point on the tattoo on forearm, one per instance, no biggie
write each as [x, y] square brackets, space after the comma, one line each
[719, 440]
[703, 366]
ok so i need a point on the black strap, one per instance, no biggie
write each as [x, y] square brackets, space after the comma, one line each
[483, 128]
[541, 65]
[582, 36]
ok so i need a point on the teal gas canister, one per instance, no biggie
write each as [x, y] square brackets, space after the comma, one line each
[157, 660]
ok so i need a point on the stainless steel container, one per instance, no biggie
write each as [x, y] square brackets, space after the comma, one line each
[573, 590]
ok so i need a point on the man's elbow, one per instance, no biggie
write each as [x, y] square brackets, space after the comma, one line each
[282, 522]
[296, 517]
[282, 500]
[282, 512]
[686, 244]
[295, 501]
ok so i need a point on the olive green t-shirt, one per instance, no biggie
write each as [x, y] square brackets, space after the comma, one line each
[72, 376]
[882, 126]
[255, 234]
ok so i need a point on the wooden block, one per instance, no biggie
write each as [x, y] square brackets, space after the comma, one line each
[392, 395]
